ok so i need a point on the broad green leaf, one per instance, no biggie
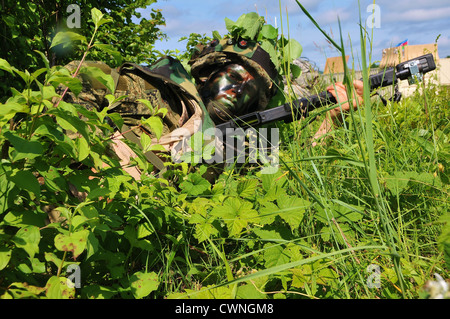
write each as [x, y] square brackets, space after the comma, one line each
[44, 59]
[10, 109]
[315, 272]
[97, 74]
[28, 238]
[36, 266]
[275, 255]
[156, 125]
[98, 292]
[98, 18]
[204, 231]
[108, 48]
[92, 245]
[195, 185]
[24, 148]
[147, 103]
[252, 24]
[146, 142]
[71, 122]
[269, 32]
[57, 288]
[82, 148]
[52, 258]
[23, 290]
[397, 183]
[142, 284]
[229, 24]
[67, 37]
[24, 218]
[236, 213]
[27, 181]
[334, 232]
[4, 65]
[144, 230]
[292, 210]
[5, 256]
[72, 83]
[248, 188]
[293, 49]
[271, 50]
[216, 35]
[53, 180]
[75, 242]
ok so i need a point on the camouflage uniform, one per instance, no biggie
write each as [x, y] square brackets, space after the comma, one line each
[166, 84]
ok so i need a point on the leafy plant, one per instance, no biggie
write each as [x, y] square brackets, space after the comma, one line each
[312, 229]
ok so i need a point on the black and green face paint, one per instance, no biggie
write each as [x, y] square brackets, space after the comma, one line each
[230, 92]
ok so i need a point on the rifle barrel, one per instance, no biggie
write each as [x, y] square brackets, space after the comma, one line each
[296, 110]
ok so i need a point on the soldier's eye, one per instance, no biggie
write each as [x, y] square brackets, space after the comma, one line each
[235, 76]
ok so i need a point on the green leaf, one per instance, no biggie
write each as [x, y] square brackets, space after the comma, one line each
[74, 84]
[236, 213]
[28, 239]
[27, 181]
[75, 242]
[5, 256]
[4, 65]
[252, 25]
[292, 210]
[204, 230]
[67, 37]
[82, 148]
[57, 288]
[70, 122]
[24, 148]
[144, 230]
[195, 185]
[108, 48]
[97, 74]
[97, 17]
[269, 32]
[10, 109]
[248, 188]
[142, 284]
[91, 245]
[156, 125]
[276, 255]
[292, 50]
[216, 35]
[44, 59]
[146, 142]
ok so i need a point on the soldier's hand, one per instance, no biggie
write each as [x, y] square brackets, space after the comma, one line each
[340, 93]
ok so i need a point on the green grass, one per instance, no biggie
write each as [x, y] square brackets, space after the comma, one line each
[375, 195]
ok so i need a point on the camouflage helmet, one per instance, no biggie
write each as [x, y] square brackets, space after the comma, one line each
[246, 53]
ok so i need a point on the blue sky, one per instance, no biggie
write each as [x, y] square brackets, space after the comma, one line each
[419, 21]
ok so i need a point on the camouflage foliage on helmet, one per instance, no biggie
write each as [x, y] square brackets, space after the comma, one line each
[247, 53]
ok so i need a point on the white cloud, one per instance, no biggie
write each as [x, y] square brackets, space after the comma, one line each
[418, 20]
[418, 15]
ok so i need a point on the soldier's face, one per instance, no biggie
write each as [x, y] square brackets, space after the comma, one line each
[233, 88]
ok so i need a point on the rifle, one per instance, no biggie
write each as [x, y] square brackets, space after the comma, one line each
[413, 70]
